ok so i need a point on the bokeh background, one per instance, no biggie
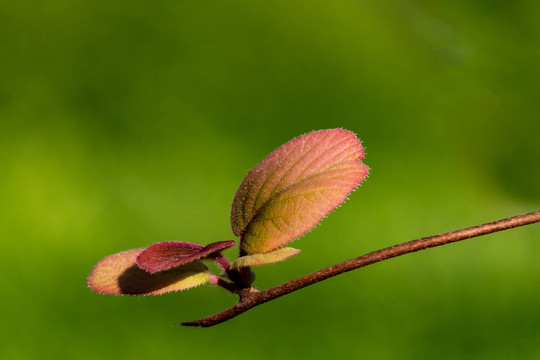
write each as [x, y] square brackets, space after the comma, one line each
[123, 123]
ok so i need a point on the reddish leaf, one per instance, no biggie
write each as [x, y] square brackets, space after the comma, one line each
[118, 274]
[168, 254]
[297, 185]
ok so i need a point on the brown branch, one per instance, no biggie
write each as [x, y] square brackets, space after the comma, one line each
[251, 297]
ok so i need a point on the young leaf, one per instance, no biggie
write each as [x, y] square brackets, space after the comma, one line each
[168, 254]
[118, 274]
[294, 187]
[266, 258]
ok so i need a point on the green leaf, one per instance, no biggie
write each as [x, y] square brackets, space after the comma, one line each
[266, 258]
[119, 274]
[296, 186]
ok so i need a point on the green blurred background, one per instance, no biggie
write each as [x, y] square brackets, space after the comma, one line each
[124, 123]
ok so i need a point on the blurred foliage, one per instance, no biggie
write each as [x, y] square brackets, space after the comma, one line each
[129, 122]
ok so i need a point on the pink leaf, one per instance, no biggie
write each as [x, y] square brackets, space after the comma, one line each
[168, 254]
[294, 187]
[118, 274]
